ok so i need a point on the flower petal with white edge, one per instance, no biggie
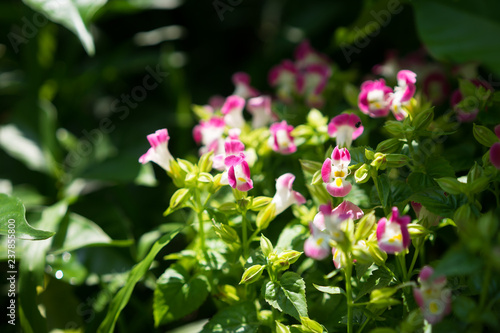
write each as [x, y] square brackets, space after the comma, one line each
[158, 153]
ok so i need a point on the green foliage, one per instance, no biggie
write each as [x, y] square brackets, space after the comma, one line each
[287, 295]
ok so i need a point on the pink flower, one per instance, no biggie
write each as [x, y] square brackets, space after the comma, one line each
[216, 101]
[403, 93]
[283, 77]
[373, 99]
[495, 150]
[281, 140]
[260, 108]
[334, 171]
[158, 152]
[345, 128]
[392, 234]
[306, 77]
[436, 87]
[238, 175]
[233, 111]
[233, 150]
[243, 89]
[316, 246]
[432, 297]
[330, 222]
[285, 195]
[208, 131]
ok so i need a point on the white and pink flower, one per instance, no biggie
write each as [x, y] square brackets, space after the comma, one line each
[158, 153]
[392, 235]
[345, 128]
[233, 111]
[374, 98]
[317, 244]
[241, 80]
[285, 195]
[260, 108]
[432, 297]
[335, 170]
[281, 139]
[403, 93]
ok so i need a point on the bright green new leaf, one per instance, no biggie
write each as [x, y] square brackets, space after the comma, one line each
[241, 318]
[287, 295]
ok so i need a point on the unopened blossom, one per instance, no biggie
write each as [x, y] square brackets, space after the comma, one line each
[317, 244]
[241, 80]
[495, 150]
[281, 139]
[158, 152]
[374, 98]
[260, 108]
[285, 195]
[392, 234]
[432, 297]
[403, 93]
[335, 170]
[233, 111]
[345, 128]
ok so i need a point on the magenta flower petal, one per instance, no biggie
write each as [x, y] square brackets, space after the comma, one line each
[158, 153]
[495, 155]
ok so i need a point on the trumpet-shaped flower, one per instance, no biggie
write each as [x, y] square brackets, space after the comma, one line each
[209, 131]
[495, 150]
[334, 171]
[338, 257]
[329, 220]
[374, 98]
[281, 140]
[311, 81]
[345, 128]
[392, 234]
[285, 195]
[238, 174]
[260, 108]
[317, 245]
[432, 297]
[282, 76]
[233, 111]
[403, 93]
[243, 88]
[158, 152]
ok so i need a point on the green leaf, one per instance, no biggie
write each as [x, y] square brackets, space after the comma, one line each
[460, 31]
[329, 289]
[385, 190]
[450, 185]
[12, 210]
[241, 318]
[81, 232]
[457, 261]
[435, 201]
[438, 166]
[177, 295]
[379, 279]
[292, 237]
[419, 182]
[73, 14]
[32, 268]
[19, 146]
[138, 271]
[484, 135]
[287, 295]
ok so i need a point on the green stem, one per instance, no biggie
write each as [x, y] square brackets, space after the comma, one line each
[201, 232]
[374, 175]
[402, 262]
[485, 287]
[348, 291]
[244, 234]
[414, 260]
[364, 324]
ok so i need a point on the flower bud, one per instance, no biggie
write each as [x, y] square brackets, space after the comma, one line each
[396, 160]
[450, 185]
[265, 246]
[484, 135]
[265, 216]
[252, 274]
[362, 175]
[389, 146]
[289, 255]
[379, 161]
[423, 119]
[205, 163]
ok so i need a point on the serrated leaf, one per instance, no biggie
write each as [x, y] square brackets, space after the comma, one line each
[177, 295]
[379, 279]
[287, 295]
[12, 210]
[241, 318]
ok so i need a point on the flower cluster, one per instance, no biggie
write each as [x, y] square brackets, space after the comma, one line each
[307, 76]
[327, 227]
[432, 297]
[376, 99]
